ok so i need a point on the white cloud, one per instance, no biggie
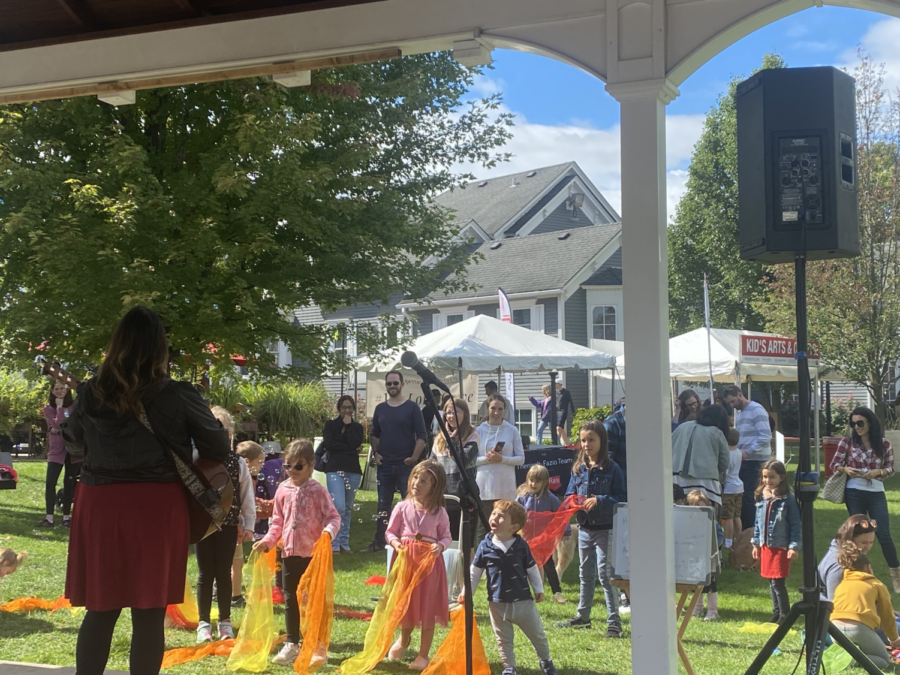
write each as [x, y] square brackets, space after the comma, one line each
[597, 152]
[880, 41]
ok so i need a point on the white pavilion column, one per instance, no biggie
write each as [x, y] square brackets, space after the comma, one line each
[646, 328]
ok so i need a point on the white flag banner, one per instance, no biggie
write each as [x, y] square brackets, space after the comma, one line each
[506, 315]
[505, 311]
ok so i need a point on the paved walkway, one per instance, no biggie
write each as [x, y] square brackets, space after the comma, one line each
[15, 668]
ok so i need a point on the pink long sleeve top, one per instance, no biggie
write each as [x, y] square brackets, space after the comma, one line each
[407, 521]
[300, 516]
[56, 450]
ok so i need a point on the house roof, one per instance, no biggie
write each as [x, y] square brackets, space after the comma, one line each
[493, 202]
[538, 262]
[609, 274]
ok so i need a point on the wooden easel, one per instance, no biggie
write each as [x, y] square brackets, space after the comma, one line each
[683, 591]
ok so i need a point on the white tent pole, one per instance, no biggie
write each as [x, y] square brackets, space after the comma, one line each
[712, 397]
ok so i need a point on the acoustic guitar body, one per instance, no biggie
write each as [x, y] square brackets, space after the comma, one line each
[212, 474]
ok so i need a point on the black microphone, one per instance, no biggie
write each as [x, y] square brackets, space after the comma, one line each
[411, 361]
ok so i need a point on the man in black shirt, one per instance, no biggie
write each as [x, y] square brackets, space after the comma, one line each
[563, 404]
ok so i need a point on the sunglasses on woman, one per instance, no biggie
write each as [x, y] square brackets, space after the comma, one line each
[858, 423]
[298, 466]
[866, 524]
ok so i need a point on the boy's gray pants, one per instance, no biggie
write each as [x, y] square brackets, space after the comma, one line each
[524, 614]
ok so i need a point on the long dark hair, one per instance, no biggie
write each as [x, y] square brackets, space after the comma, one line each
[714, 416]
[783, 489]
[136, 357]
[875, 436]
[51, 399]
[602, 455]
[684, 397]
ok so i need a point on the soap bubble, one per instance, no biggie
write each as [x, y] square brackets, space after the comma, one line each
[356, 507]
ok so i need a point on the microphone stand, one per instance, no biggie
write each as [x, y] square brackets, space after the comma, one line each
[470, 502]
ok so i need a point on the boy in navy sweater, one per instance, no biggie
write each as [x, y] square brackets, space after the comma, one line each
[506, 558]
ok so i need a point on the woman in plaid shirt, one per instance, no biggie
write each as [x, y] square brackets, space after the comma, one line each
[867, 459]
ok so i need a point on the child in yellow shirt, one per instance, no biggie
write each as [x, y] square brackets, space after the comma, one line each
[861, 605]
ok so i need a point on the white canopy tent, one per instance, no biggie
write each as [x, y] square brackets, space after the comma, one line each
[694, 355]
[482, 344]
[690, 357]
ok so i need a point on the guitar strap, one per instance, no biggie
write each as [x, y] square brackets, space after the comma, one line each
[209, 497]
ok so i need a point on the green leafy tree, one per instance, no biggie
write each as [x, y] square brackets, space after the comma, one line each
[854, 304]
[226, 206]
[704, 234]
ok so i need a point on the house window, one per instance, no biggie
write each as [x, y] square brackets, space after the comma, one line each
[339, 344]
[454, 318]
[522, 317]
[604, 322]
[525, 422]
[365, 334]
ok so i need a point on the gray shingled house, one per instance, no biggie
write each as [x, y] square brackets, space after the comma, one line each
[553, 243]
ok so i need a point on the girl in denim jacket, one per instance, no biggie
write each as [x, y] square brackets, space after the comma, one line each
[599, 479]
[776, 533]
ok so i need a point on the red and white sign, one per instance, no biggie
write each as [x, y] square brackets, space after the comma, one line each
[505, 311]
[774, 350]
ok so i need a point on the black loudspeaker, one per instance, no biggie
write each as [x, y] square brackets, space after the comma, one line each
[797, 179]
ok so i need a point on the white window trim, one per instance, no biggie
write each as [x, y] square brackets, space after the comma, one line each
[531, 423]
[590, 319]
[439, 320]
[537, 313]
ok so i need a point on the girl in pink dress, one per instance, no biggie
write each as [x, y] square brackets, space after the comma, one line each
[422, 517]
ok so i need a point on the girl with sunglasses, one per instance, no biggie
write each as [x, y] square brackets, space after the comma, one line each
[303, 512]
[866, 458]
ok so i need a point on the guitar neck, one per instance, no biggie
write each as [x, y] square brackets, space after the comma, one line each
[60, 374]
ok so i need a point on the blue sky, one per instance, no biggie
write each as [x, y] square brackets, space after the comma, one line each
[564, 114]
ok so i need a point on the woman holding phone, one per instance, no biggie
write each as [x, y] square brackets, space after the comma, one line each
[867, 458]
[499, 453]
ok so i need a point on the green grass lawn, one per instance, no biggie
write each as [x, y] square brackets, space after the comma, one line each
[713, 647]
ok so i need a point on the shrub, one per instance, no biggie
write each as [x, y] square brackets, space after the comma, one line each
[291, 410]
[840, 416]
[21, 400]
[584, 414]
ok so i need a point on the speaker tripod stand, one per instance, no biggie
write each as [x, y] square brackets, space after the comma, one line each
[817, 612]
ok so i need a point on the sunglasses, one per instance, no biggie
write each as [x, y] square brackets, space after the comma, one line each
[391, 384]
[858, 423]
[866, 524]
[297, 466]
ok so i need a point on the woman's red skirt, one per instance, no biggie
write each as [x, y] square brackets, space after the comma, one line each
[774, 563]
[129, 546]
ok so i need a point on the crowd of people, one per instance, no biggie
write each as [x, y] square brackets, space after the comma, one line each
[130, 431]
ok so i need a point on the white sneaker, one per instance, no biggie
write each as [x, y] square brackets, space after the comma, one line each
[287, 655]
[625, 609]
[225, 630]
[204, 632]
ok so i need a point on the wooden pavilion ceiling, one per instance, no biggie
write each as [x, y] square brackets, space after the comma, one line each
[32, 23]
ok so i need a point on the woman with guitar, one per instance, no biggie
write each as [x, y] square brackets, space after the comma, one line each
[130, 533]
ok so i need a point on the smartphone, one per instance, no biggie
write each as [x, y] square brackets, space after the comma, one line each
[499, 446]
